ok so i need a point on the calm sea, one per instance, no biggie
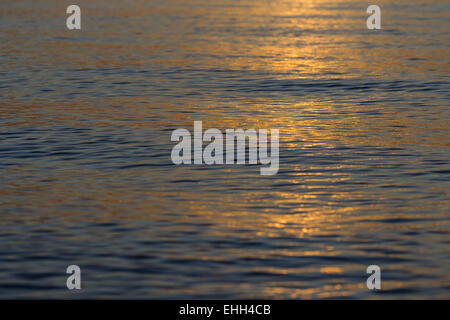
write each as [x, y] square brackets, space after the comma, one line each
[86, 176]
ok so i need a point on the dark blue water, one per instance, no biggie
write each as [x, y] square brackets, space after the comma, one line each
[87, 179]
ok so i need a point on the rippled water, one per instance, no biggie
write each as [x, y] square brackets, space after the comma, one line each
[86, 175]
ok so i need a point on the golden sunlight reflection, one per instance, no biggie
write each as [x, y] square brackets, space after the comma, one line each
[87, 118]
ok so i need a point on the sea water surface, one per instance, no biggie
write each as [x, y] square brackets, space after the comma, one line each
[86, 176]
